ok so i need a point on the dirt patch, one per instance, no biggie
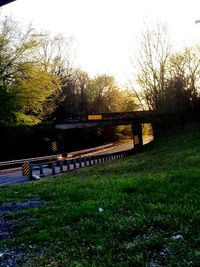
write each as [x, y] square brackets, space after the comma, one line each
[10, 257]
[7, 225]
[5, 208]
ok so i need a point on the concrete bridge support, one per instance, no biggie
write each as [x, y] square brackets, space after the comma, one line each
[137, 136]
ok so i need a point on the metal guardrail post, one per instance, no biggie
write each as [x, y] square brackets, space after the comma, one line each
[68, 165]
[74, 163]
[41, 170]
[90, 161]
[85, 161]
[80, 162]
[64, 164]
[61, 166]
[53, 168]
[31, 171]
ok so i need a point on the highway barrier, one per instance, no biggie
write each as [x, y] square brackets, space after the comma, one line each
[58, 167]
[19, 162]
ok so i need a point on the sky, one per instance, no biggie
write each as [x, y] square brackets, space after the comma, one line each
[106, 32]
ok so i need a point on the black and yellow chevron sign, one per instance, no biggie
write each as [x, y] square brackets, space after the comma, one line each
[54, 146]
[26, 169]
[136, 140]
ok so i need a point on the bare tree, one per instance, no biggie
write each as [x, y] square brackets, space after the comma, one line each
[56, 54]
[152, 64]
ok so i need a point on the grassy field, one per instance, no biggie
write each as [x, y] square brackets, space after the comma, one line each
[143, 210]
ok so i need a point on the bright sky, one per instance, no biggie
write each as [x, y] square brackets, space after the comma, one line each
[106, 30]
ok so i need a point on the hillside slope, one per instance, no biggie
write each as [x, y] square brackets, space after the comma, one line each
[139, 211]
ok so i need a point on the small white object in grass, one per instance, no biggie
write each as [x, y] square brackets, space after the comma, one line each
[177, 237]
[1, 254]
[35, 176]
[100, 209]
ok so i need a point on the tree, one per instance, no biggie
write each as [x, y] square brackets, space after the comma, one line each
[24, 84]
[31, 91]
[152, 65]
[55, 55]
[169, 81]
[72, 99]
[186, 65]
[185, 70]
[106, 96]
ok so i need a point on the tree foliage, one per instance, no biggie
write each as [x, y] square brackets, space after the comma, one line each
[25, 83]
[107, 96]
[81, 95]
[37, 79]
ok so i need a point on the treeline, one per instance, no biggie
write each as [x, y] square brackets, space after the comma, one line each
[37, 79]
[169, 80]
[38, 82]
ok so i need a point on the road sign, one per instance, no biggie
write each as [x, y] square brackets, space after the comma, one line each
[54, 146]
[26, 169]
[94, 117]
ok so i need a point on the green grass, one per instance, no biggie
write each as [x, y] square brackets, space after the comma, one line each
[147, 200]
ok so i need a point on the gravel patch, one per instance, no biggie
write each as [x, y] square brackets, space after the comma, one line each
[12, 256]
[19, 205]
[6, 227]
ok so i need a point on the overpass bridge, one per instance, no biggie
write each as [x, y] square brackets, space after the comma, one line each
[135, 119]
[114, 118]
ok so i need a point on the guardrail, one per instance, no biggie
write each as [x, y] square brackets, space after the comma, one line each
[38, 170]
[89, 150]
[20, 161]
[70, 154]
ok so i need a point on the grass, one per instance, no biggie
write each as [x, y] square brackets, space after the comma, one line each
[150, 216]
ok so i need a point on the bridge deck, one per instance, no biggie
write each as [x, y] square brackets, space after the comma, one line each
[95, 120]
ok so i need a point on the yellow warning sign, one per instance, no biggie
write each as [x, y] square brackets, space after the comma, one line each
[136, 140]
[54, 146]
[94, 117]
[26, 169]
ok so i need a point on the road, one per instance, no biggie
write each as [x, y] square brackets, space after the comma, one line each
[14, 176]
[119, 147]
